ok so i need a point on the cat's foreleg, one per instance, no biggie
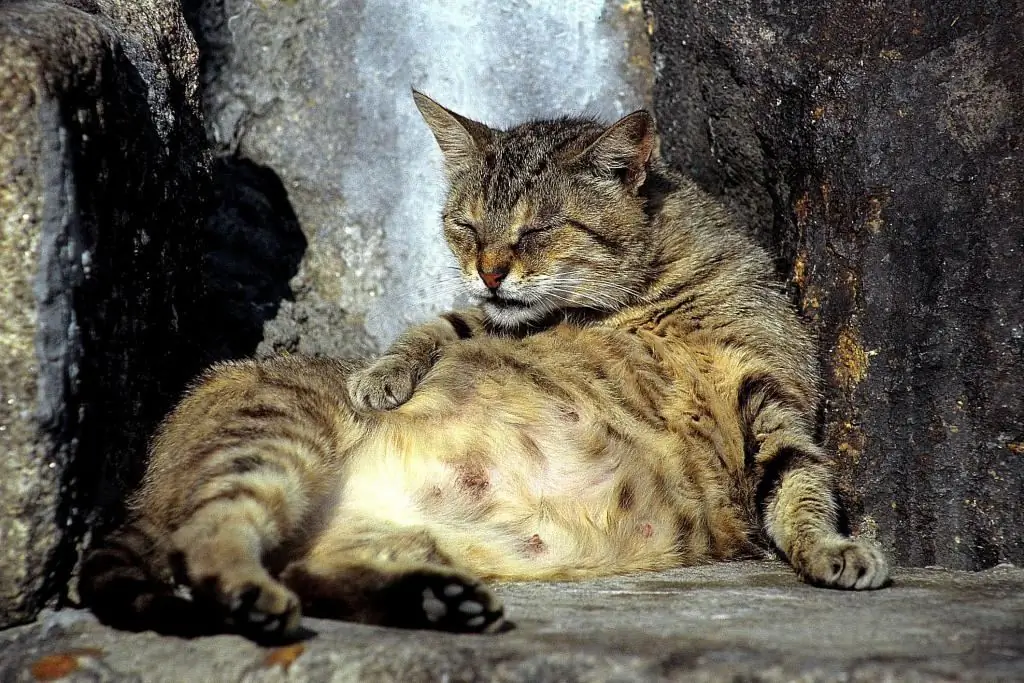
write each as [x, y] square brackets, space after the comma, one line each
[800, 516]
[389, 381]
[796, 499]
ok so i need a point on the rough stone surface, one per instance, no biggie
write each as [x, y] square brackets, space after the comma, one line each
[879, 149]
[101, 153]
[744, 621]
[318, 92]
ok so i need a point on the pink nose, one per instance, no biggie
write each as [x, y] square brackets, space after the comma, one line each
[493, 278]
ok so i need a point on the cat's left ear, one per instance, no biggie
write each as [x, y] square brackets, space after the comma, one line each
[625, 149]
[462, 140]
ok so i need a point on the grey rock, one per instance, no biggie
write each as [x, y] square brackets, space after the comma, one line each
[879, 149]
[736, 621]
[319, 92]
[101, 159]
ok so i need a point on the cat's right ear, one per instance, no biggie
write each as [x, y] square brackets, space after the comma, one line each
[462, 141]
[625, 149]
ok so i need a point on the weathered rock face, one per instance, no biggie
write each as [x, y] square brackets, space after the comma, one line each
[879, 148]
[318, 92]
[102, 158]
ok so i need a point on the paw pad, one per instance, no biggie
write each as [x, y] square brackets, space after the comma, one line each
[434, 609]
[453, 602]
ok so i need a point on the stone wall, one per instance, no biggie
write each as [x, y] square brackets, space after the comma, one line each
[877, 147]
[102, 179]
[318, 93]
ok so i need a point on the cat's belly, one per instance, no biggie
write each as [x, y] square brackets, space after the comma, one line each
[524, 512]
[513, 482]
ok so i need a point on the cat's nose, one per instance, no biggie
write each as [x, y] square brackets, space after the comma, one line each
[493, 278]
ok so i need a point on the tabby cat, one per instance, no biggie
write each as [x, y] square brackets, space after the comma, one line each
[633, 392]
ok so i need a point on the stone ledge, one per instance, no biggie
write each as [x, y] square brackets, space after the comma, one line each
[744, 620]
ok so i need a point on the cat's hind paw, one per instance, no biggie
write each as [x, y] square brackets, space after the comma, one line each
[433, 597]
[447, 601]
[845, 564]
[253, 603]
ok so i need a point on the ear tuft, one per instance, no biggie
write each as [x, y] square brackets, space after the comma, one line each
[462, 140]
[625, 149]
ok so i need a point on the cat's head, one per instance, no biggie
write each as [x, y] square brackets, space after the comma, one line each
[546, 217]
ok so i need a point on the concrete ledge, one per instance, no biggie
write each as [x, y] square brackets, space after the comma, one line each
[738, 621]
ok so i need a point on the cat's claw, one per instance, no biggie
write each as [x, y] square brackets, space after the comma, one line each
[384, 385]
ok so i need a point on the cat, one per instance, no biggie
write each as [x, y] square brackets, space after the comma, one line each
[633, 391]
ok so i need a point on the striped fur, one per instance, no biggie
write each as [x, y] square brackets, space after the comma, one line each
[633, 392]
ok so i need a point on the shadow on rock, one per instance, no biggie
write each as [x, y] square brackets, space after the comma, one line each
[252, 248]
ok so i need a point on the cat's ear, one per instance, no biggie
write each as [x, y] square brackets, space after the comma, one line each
[625, 149]
[462, 141]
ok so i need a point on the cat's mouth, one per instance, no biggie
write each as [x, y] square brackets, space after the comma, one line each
[506, 302]
[508, 312]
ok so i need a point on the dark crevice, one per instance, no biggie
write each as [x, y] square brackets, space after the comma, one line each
[252, 245]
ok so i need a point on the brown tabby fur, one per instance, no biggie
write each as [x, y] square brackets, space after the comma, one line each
[634, 392]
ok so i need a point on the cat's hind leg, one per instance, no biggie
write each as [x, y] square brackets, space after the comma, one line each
[219, 555]
[240, 475]
[395, 578]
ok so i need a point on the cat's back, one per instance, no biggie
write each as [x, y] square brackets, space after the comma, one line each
[717, 295]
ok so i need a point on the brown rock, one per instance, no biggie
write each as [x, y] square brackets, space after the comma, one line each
[879, 148]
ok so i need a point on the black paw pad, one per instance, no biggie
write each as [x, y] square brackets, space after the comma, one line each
[449, 602]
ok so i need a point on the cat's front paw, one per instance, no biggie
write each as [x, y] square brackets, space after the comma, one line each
[384, 385]
[847, 564]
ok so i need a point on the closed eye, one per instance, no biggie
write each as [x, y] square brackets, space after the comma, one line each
[469, 227]
[535, 230]
[593, 234]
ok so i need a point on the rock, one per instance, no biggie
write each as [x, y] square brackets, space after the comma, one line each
[879, 149]
[252, 246]
[319, 92]
[102, 161]
[735, 621]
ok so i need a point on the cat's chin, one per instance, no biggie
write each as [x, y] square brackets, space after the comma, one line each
[506, 313]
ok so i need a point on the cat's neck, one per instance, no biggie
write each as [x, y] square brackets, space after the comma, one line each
[700, 255]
